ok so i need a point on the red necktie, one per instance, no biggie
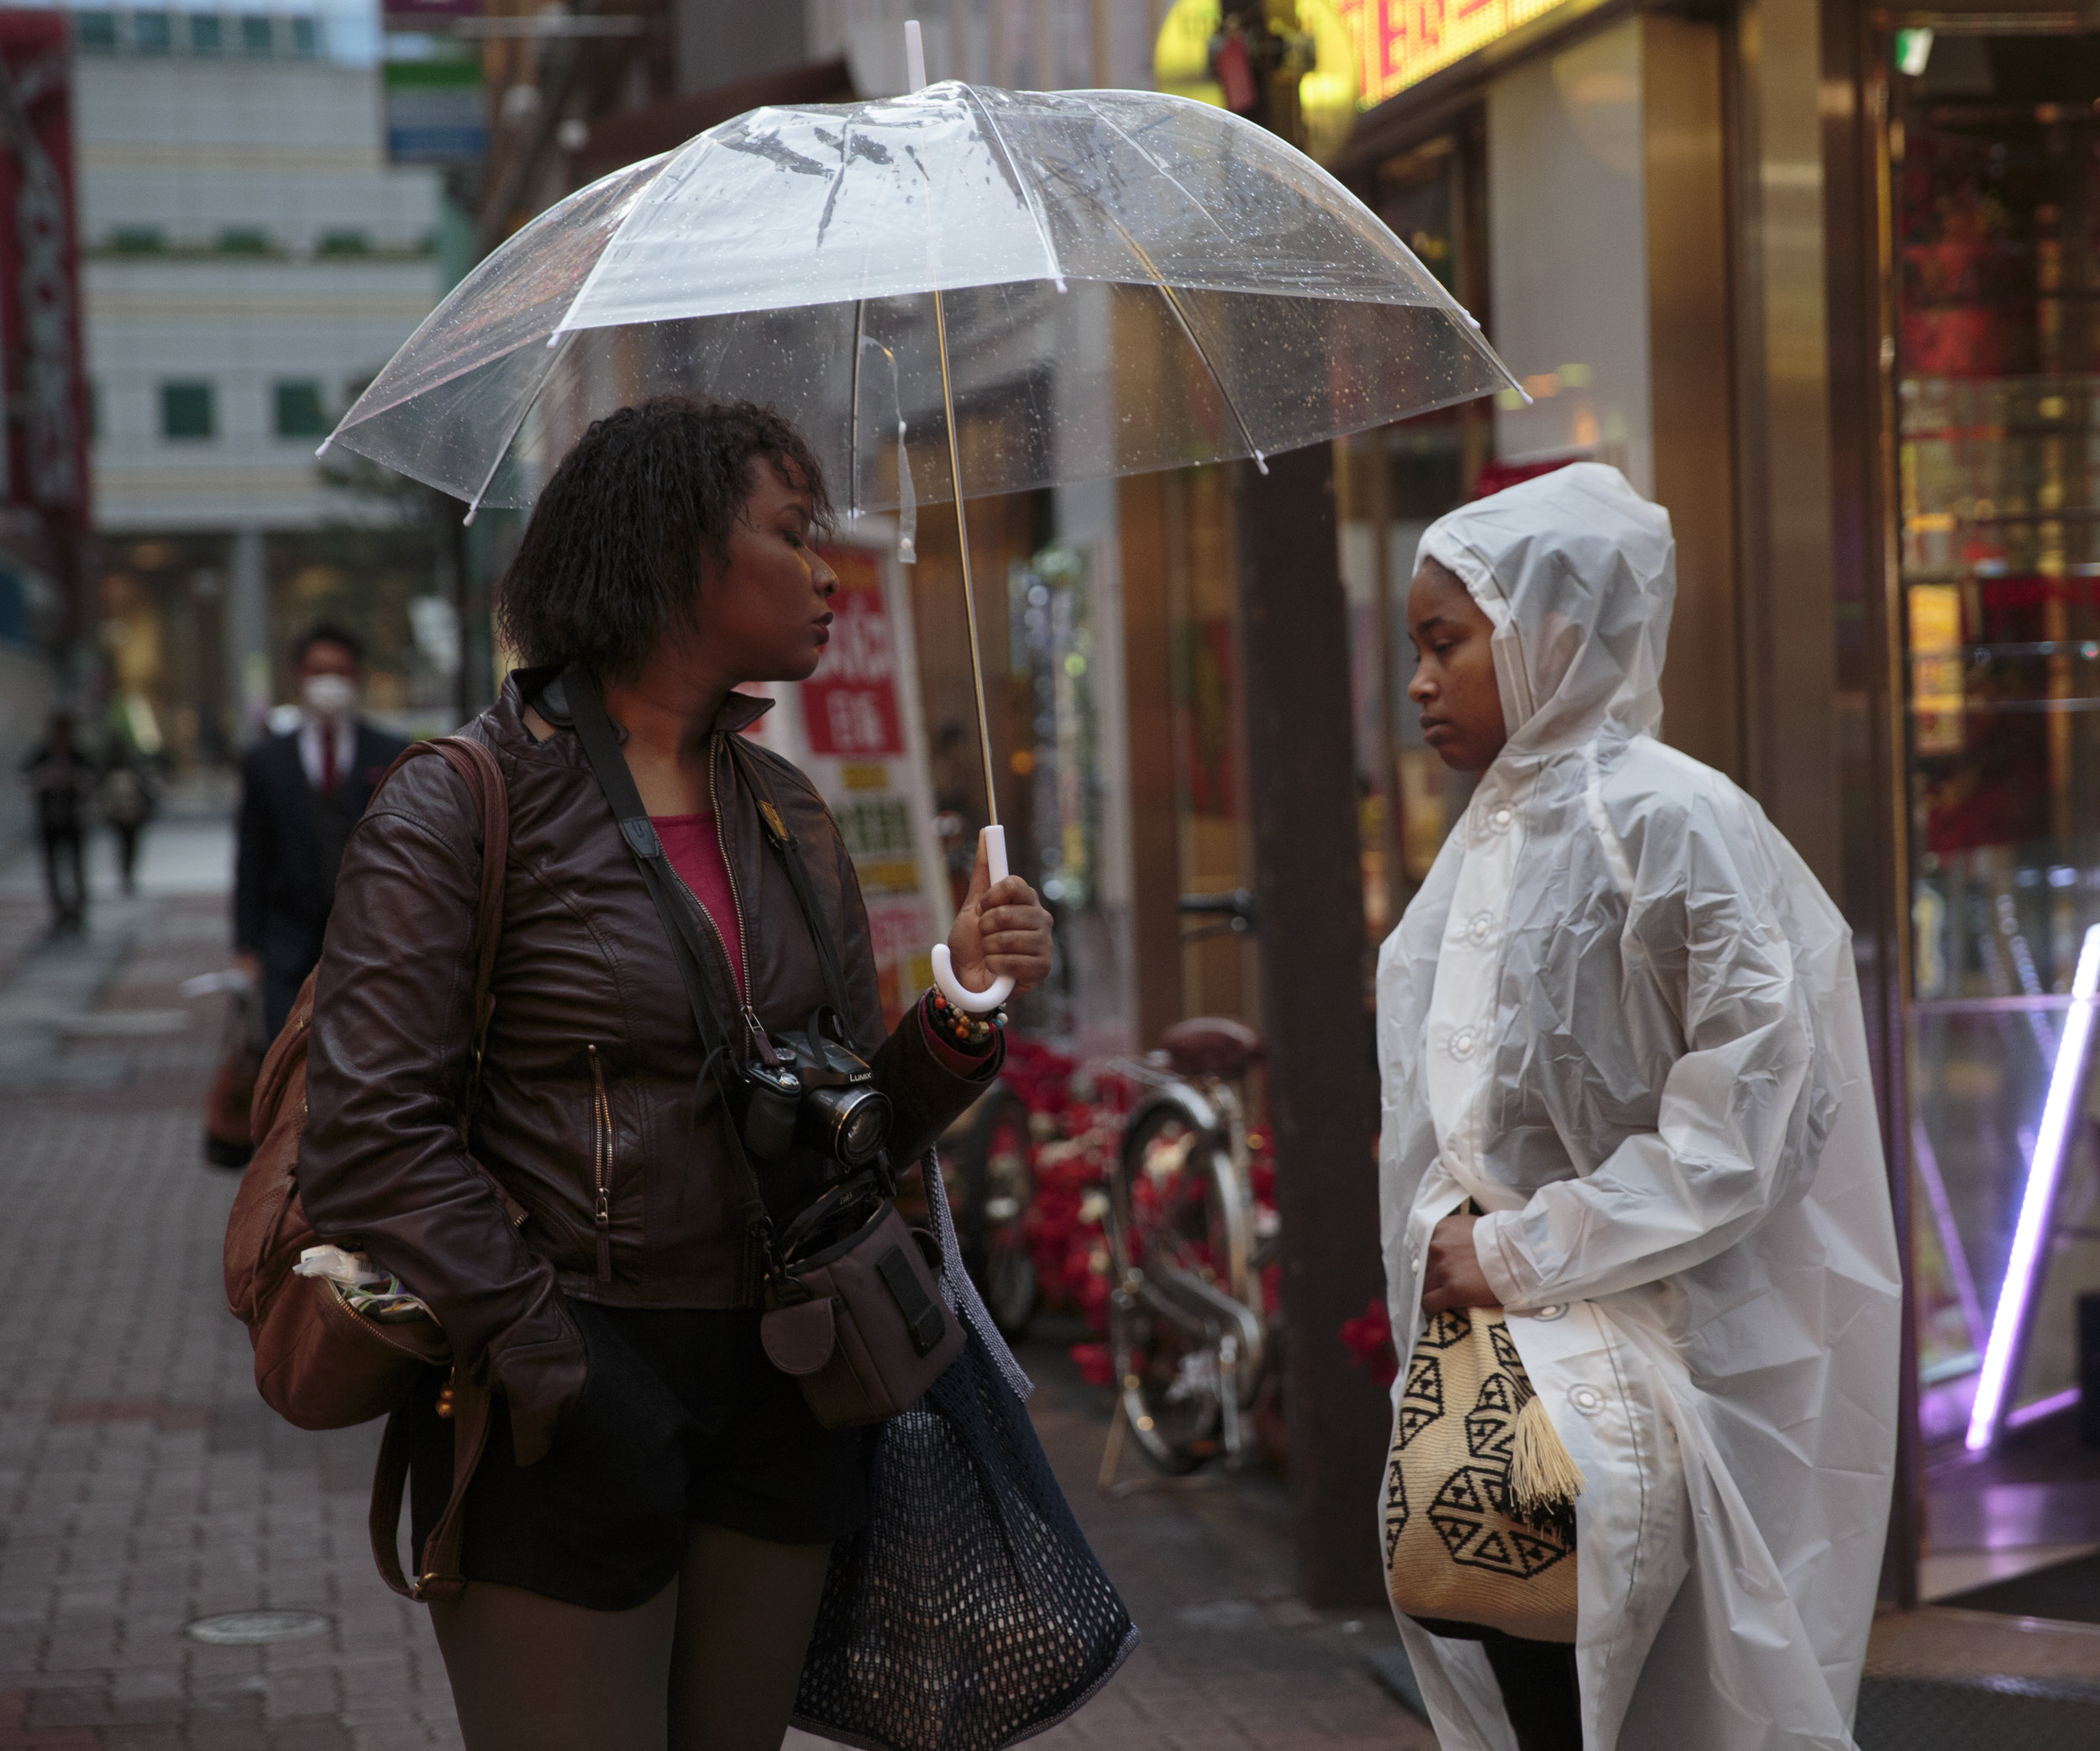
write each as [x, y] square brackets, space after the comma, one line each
[327, 759]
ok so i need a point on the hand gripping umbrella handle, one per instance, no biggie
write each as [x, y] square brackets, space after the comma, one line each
[976, 1003]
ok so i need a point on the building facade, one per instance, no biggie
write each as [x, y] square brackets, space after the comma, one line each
[250, 261]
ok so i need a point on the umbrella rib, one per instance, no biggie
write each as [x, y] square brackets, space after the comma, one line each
[1203, 352]
[1158, 170]
[1167, 292]
[510, 437]
[1028, 195]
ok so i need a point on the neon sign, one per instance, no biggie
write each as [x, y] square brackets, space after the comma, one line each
[1400, 42]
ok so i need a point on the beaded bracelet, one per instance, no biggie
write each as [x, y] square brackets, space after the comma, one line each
[968, 1032]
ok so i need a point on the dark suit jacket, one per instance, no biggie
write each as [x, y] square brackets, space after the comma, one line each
[283, 890]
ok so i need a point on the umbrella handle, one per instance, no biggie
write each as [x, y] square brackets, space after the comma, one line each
[976, 1003]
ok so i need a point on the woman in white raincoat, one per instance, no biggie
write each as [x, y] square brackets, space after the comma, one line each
[1621, 1017]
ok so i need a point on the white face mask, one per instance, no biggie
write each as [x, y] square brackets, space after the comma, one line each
[329, 695]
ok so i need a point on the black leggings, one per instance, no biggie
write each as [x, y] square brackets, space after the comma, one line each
[710, 1664]
[1538, 1690]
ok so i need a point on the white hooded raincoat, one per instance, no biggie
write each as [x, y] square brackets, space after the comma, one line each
[1622, 1016]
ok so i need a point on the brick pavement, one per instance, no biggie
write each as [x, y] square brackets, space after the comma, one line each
[142, 1485]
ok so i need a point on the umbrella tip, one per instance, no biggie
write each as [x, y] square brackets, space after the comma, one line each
[914, 55]
[325, 443]
[1261, 462]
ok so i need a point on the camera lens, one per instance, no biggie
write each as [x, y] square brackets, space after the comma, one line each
[865, 1128]
[851, 1123]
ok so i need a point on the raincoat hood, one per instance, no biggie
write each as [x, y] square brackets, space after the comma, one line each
[1578, 572]
[1621, 1019]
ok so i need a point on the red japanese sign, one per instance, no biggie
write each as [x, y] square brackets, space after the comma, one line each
[46, 451]
[849, 705]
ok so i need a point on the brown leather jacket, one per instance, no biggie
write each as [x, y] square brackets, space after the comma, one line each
[589, 1078]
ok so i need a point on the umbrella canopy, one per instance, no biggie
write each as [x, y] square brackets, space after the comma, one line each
[1131, 281]
[1100, 283]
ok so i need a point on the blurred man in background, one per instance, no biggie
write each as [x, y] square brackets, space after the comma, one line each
[301, 794]
[63, 779]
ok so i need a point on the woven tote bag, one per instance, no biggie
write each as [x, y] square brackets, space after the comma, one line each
[1479, 1492]
[970, 1614]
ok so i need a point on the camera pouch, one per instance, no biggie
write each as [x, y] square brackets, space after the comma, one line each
[861, 1324]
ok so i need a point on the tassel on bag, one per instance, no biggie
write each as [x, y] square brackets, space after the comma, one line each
[1544, 1478]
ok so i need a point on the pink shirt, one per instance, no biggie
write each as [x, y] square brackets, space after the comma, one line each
[695, 853]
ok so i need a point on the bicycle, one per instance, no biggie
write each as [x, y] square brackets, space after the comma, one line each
[1189, 1335]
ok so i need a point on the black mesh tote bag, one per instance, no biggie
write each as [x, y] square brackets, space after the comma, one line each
[971, 1613]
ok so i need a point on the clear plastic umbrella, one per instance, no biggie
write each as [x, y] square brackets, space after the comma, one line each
[1101, 283]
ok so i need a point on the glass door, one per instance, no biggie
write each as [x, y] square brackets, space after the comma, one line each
[1994, 167]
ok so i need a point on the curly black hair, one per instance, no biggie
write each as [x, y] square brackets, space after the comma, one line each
[612, 559]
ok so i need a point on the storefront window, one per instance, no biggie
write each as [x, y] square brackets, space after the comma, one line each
[1390, 484]
[1994, 153]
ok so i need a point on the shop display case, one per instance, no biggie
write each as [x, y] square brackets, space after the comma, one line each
[1994, 191]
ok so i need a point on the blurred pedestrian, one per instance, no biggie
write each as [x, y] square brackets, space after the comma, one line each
[126, 802]
[63, 779]
[1630, 1140]
[301, 792]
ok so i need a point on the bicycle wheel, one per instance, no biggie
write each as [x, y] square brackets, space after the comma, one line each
[1174, 1208]
[999, 1185]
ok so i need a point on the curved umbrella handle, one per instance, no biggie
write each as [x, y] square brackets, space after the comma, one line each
[976, 1003]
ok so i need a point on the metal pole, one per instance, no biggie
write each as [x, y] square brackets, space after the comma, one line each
[969, 591]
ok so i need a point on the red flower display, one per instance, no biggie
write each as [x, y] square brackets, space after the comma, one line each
[1370, 1338]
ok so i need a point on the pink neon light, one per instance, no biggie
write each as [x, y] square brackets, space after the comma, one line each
[2044, 1168]
[2042, 1408]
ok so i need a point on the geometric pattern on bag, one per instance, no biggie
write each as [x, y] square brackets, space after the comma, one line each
[1456, 1547]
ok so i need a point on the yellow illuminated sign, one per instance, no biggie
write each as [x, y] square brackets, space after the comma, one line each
[1327, 92]
[1400, 42]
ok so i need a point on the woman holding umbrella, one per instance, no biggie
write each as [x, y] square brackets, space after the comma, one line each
[649, 1533]
[1629, 1124]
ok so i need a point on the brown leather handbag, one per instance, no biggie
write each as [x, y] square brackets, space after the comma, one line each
[318, 1363]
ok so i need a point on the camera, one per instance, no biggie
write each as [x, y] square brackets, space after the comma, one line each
[814, 1091]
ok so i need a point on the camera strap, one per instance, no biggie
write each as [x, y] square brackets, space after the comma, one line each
[602, 747]
[788, 849]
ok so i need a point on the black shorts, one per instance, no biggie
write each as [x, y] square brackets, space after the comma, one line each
[682, 1418]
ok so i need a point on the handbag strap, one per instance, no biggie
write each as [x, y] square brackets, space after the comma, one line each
[475, 764]
[602, 747]
[438, 1574]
